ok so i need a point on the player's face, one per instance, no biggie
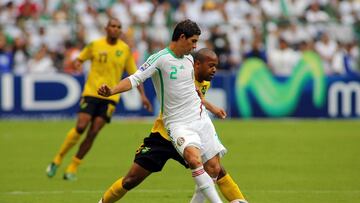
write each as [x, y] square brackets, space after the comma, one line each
[208, 67]
[113, 29]
[190, 43]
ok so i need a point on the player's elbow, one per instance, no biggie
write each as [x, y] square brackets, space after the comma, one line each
[134, 81]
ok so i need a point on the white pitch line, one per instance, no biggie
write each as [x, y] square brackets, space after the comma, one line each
[55, 192]
[305, 191]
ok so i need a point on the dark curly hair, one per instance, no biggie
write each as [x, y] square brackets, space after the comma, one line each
[187, 27]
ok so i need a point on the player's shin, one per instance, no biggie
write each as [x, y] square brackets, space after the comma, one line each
[114, 193]
[73, 166]
[71, 139]
[197, 197]
[229, 188]
[205, 184]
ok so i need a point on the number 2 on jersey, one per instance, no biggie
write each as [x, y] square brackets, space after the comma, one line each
[173, 73]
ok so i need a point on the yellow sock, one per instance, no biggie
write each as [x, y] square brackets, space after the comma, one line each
[72, 168]
[71, 139]
[114, 193]
[229, 188]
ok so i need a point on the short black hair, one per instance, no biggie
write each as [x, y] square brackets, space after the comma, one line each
[187, 27]
[201, 54]
[113, 19]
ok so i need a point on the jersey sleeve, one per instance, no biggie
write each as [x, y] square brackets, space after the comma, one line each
[85, 54]
[144, 72]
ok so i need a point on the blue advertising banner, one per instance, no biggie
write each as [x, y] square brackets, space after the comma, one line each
[252, 92]
[307, 92]
[339, 99]
[57, 95]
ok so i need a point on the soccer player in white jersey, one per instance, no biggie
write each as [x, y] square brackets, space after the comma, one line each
[189, 127]
[157, 148]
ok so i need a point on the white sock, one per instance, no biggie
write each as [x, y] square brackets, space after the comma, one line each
[197, 197]
[205, 184]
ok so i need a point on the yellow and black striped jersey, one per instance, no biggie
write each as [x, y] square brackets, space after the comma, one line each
[108, 63]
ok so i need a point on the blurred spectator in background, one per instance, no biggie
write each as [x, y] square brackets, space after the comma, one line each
[41, 62]
[28, 9]
[8, 13]
[142, 11]
[346, 60]
[346, 12]
[283, 59]
[315, 14]
[6, 55]
[21, 56]
[296, 8]
[220, 44]
[189, 9]
[257, 50]
[72, 50]
[294, 33]
[212, 14]
[37, 37]
[147, 24]
[327, 48]
[120, 10]
[89, 19]
[271, 8]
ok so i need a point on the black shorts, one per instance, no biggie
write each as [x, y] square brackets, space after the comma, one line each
[97, 107]
[154, 153]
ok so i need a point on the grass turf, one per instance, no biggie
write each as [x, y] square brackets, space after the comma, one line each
[273, 161]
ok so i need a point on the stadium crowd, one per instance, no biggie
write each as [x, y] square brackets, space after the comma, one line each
[42, 36]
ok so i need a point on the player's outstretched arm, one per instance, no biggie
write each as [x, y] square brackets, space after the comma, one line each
[123, 86]
[219, 112]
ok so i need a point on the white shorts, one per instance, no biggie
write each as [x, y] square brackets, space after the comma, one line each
[201, 134]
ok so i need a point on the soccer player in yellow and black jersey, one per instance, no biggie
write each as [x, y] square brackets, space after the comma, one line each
[156, 149]
[110, 57]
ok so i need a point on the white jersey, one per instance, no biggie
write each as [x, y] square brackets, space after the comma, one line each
[173, 79]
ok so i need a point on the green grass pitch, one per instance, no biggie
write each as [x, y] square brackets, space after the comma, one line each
[273, 161]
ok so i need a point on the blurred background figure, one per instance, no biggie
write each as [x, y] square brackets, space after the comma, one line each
[257, 50]
[282, 59]
[41, 62]
[327, 48]
[6, 61]
[72, 50]
[21, 56]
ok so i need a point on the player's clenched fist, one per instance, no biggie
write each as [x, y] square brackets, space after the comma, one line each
[104, 90]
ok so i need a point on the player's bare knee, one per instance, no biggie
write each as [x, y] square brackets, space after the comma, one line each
[193, 161]
[213, 169]
[192, 157]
